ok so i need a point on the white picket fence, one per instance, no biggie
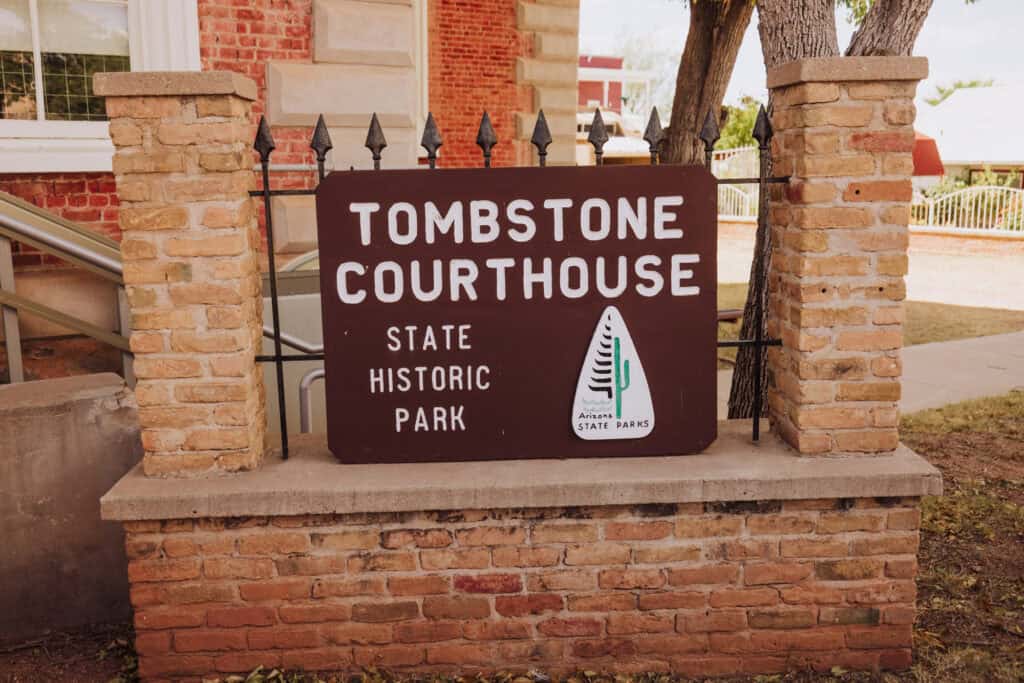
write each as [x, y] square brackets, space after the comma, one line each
[975, 210]
[736, 202]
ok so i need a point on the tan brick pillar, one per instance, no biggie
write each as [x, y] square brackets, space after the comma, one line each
[844, 132]
[190, 244]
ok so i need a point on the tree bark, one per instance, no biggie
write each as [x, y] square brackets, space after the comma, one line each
[712, 43]
[796, 29]
[890, 28]
[789, 30]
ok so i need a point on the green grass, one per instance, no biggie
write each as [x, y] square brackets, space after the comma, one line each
[971, 582]
[1000, 414]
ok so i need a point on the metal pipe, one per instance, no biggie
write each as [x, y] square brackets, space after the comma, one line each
[291, 167]
[293, 341]
[124, 325]
[305, 410]
[9, 316]
[60, 244]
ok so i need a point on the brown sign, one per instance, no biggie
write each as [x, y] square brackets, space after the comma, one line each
[480, 314]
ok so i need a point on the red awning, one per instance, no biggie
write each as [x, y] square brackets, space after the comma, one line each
[926, 156]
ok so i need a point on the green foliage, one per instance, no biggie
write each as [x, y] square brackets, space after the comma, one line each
[858, 9]
[942, 92]
[739, 124]
[987, 177]
[121, 649]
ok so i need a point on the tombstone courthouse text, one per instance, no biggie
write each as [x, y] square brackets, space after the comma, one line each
[518, 313]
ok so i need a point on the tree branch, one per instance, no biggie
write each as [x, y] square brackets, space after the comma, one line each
[712, 44]
[890, 28]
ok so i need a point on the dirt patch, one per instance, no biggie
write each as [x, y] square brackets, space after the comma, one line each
[100, 654]
[971, 583]
[62, 357]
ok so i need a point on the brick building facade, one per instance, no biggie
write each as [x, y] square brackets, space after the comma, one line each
[508, 56]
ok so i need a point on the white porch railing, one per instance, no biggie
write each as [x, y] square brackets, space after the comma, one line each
[736, 202]
[975, 210]
[738, 162]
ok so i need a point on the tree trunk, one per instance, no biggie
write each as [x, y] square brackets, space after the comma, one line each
[796, 29]
[712, 43]
[890, 28]
[789, 31]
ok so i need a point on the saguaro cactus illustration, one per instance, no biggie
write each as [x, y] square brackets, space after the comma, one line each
[621, 378]
[605, 377]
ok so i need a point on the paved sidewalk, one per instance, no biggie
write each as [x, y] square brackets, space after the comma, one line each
[949, 270]
[945, 372]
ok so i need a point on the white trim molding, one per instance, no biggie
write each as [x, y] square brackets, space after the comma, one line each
[55, 146]
[163, 35]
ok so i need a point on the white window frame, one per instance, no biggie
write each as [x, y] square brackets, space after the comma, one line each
[163, 35]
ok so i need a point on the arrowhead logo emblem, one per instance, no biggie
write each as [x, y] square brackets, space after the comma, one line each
[612, 398]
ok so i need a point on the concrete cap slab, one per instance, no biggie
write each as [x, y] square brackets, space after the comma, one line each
[837, 69]
[312, 481]
[32, 396]
[173, 83]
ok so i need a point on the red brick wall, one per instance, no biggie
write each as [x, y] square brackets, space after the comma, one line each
[243, 35]
[699, 589]
[594, 90]
[86, 198]
[472, 58]
[472, 54]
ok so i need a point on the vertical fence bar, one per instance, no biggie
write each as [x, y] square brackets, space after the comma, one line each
[654, 135]
[541, 138]
[763, 135]
[375, 141]
[486, 139]
[124, 327]
[321, 145]
[431, 140]
[12, 333]
[709, 135]
[597, 137]
[265, 145]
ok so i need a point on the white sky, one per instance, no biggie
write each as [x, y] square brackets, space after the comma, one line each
[961, 41]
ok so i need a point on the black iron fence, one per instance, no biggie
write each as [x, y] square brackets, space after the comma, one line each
[486, 139]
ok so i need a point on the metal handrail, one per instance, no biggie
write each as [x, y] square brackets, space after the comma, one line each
[305, 402]
[100, 255]
[60, 237]
[24, 222]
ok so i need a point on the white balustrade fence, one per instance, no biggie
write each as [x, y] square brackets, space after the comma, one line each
[975, 210]
[736, 202]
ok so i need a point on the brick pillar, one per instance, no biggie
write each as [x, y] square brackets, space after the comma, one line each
[844, 132]
[191, 265]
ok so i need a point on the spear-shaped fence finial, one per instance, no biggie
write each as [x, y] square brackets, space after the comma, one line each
[541, 137]
[264, 143]
[654, 135]
[762, 128]
[598, 136]
[375, 140]
[431, 140]
[709, 135]
[321, 144]
[486, 138]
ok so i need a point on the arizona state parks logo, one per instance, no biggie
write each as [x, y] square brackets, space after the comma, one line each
[612, 399]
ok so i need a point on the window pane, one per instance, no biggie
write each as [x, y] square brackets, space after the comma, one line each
[79, 39]
[17, 87]
[83, 27]
[15, 29]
